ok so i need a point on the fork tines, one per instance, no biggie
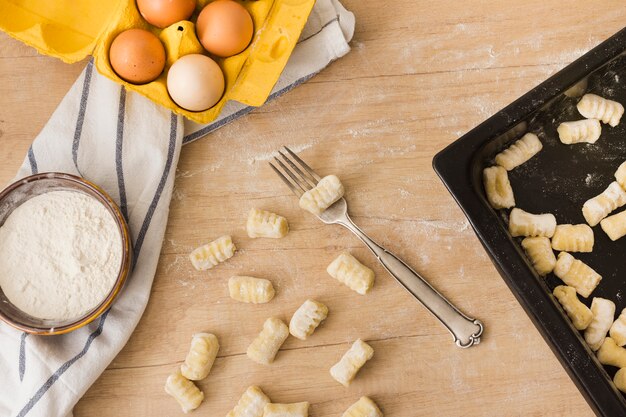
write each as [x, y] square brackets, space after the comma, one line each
[300, 177]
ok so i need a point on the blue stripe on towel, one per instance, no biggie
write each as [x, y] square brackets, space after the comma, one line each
[81, 113]
[22, 358]
[118, 153]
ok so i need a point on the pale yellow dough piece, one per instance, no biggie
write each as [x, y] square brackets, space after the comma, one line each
[592, 106]
[365, 407]
[306, 319]
[603, 311]
[202, 354]
[540, 253]
[346, 369]
[573, 238]
[185, 392]
[579, 313]
[587, 130]
[352, 273]
[600, 206]
[251, 404]
[287, 410]
[263, 223]
[209, 255]
[250, 289]
[498, 188]
[615, 226]
[618, 329]
[620, 175]
[522, 223]
[519, 152]
[265, 346]
[577, 274]
[620, 380]
[328, 190]
[611, 354]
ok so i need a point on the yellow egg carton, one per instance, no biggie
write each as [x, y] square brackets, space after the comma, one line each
[71, 30]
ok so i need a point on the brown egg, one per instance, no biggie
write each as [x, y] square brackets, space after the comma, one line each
[162, 13]
[137, 56]
[224, 28]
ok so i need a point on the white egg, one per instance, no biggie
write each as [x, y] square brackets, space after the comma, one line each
[195, 82]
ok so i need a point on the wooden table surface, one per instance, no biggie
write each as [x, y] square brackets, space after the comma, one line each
[420, 74]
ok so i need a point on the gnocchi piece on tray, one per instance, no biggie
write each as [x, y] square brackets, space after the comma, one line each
[251, 404]
[577, 274]
[346, 369]
[209, 255]
[365, 407]
[519, 152]
[202, 354]
[587, 130]
[323, 195]
[618, 329]
[250, 289]
[579, 313]
[263, 223]
[522, 223]
[620, 175]
[265, 346]
[611, 354]
[603, 312]
[540, 253]
[287, 410]
[306, 319]
[601, 205]
[184, 392]
[352, 273]
[620, 380]
[592, 106]
[615, 226]
[498, 188]
[573, 238]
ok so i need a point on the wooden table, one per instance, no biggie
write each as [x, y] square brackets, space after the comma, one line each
[420, 75]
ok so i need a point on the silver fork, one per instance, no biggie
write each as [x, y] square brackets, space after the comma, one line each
[300, 178]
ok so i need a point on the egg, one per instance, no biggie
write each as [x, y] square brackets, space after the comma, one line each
[195, 82]
[137, 56]
[224, 28]
[162, 13]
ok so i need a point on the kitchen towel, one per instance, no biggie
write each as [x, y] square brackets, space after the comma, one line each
[130, 147]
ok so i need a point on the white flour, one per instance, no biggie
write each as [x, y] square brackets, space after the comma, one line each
[60, 254]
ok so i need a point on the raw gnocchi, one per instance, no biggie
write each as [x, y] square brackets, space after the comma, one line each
[620, 380]
[601, 205]
[306, 319]
[327, 191]
[265, 346]
[251, 404]
[615, 226]
[579, 313]
[577, 274]
[519, 152]
[522, 223]
[286, 410]
[603, 311]
[202, 354]
[587, 130]
[365, 407]
[592, 106]
[612, 354]
[209, 255]
[618, 329]
[250, 289]
[620, 175]
[573, 238]
[185, 392]
[352, 273]
[263, 223]
[540, 253]
[498, 188]
[346, 369]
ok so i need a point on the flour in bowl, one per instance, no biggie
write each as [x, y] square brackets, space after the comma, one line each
[60, 255]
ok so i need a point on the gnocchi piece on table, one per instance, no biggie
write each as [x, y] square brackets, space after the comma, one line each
[184, 392]
[202, 354]
[287, 410]
[573, 238]
[346, 369]
[265, 346]
[587, 130]
[577, 274]
[601, 205]
[603, 311]
[263, 223]
[498, 188]
[618, 329]
[620, 175]
[519, 152]
[611, 354]
[365, 407]
[592, 106]
[306, 319]
[579, 313]
[540, 253]
[620, 380]
[327, 191]
[251, 404]
[522, 223]
[209, 255]
[352, 273]
[615, 226]
[250, 289]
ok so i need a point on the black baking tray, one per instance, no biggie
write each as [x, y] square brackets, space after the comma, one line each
[558, 180]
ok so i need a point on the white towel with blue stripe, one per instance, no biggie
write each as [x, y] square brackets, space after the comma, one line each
[130, 147]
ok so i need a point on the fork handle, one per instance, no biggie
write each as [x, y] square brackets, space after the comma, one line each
[465, 331]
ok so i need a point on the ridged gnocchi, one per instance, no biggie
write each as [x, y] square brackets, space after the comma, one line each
[365, 407]
[265, 346]
[519, 152]
[540, 253]
[251, 404]
[592, 106]
[577, 274]
[600, 206]
[262, 223]
[327, 191]
[352, 361]
[573, 238]
[618, 329]
[209, 255]
[579, 313]
[522, 223]
[306, 319]
[250, 289]
[603, 311]
[498, 187]
[202, 354]
[286, 410]
[185, 392]
[620, 380]
[587, 130]
[352, 273]
[620, 175]
[615, 226]
[611, 354]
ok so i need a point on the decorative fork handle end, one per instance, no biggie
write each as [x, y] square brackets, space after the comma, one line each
[465, 341]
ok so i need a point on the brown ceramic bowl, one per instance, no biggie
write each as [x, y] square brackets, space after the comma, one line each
[23, 190]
